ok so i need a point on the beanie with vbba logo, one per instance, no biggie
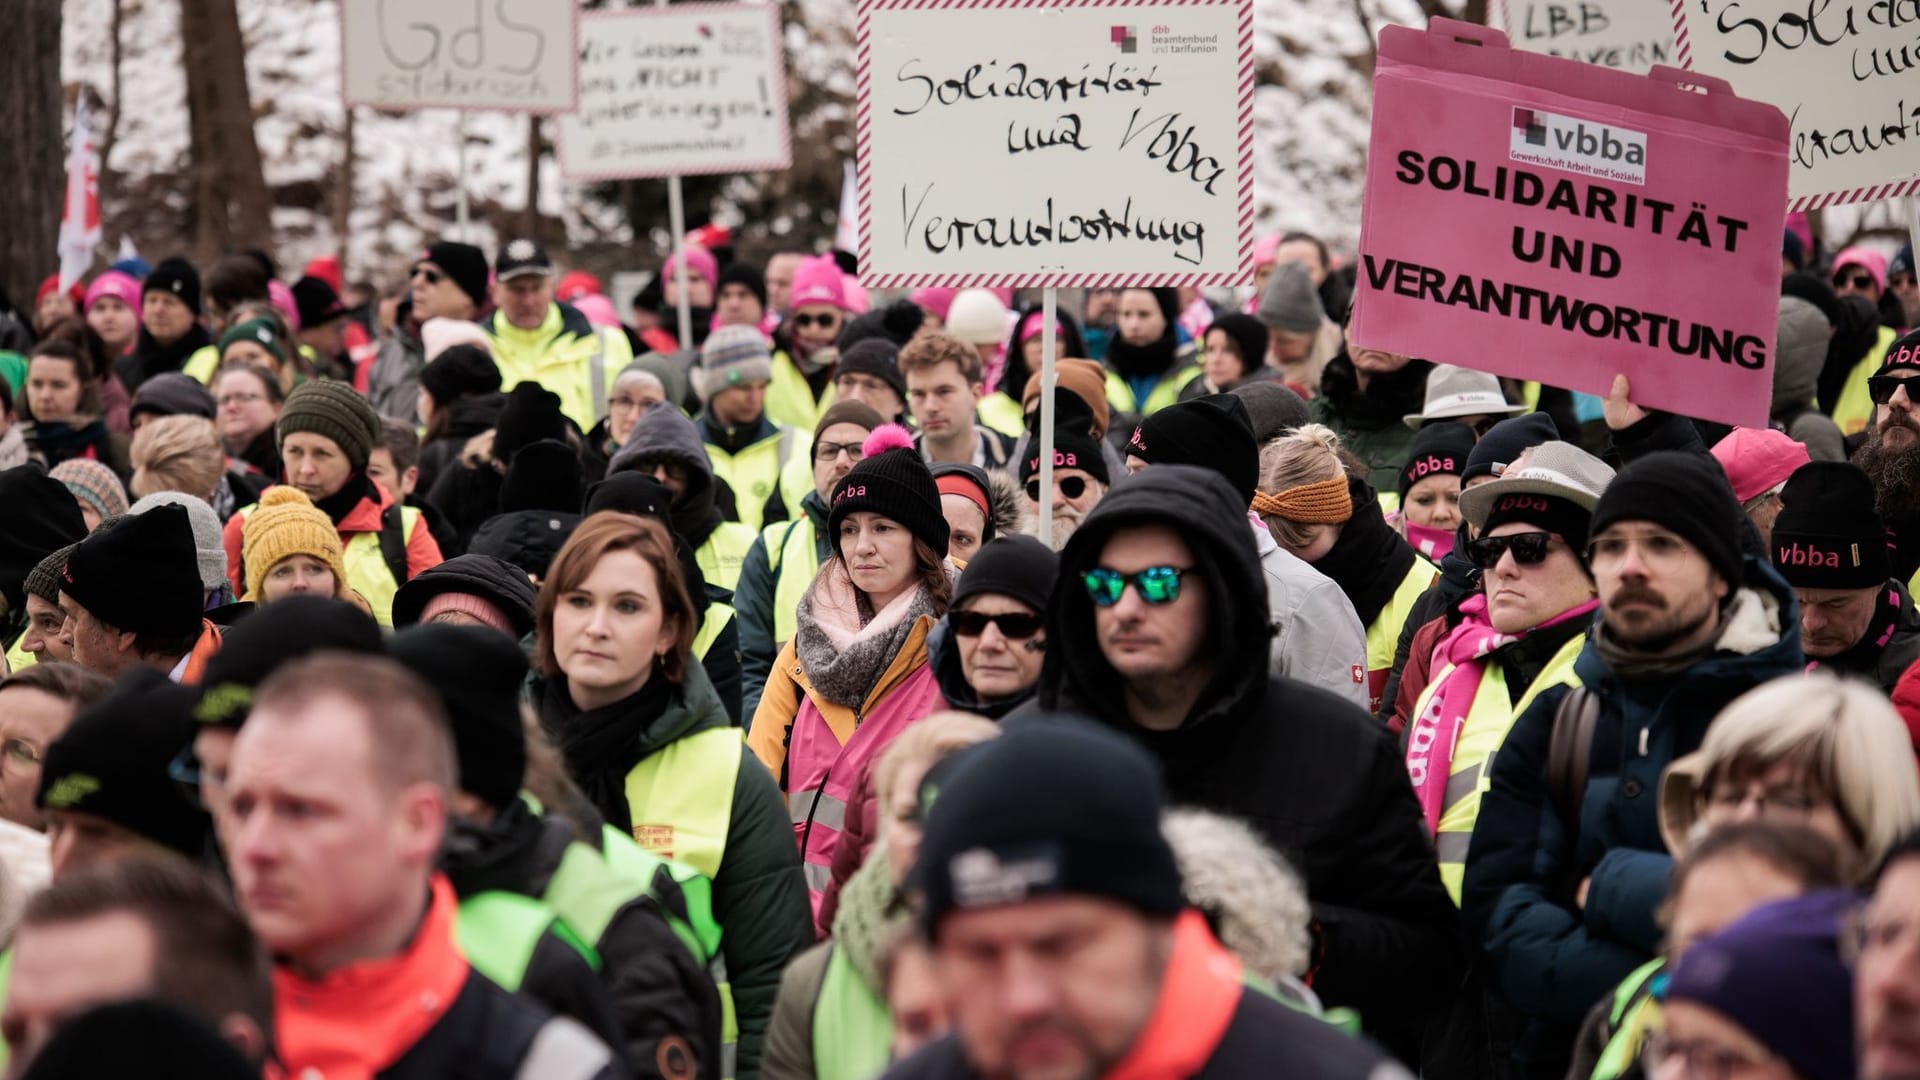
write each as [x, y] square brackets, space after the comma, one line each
[114, 762]
[1828, 534]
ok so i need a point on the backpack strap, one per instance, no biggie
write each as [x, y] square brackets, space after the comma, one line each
[1570, 751]
[393, 543]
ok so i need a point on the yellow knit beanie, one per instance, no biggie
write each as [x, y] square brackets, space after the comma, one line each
[287, 523]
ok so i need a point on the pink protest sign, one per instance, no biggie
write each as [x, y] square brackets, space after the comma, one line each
[1549, 220]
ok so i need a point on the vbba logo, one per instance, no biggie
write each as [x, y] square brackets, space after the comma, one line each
[1125, 37]
[1587, 147]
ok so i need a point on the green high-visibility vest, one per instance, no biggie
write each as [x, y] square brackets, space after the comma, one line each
[852, 1029]
[793, 557]
[499, 931]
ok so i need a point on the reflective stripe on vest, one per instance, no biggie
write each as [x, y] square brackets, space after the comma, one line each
[498, 931]
[793, 555]
[754, 474]
[852, 1029]
[724, 553]
[1484, 728]
[822, 771]
[564, 1047]
[712, 624]
[1383, 636]
[367, 572]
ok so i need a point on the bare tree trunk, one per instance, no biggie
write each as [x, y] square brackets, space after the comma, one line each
[231, 206]
[31, 114]
[343, 196]
[531, 225]
[112, 132]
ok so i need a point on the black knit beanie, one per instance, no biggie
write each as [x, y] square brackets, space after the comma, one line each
[545, 475]
[336, 411]
[1074, 446]
[879, 358]
[532, 413]
[460, 371]
[140, 576]
[1440, 449]
[477, 672]
[178, 277]
[632, 492]
[171, 393]
[1213, 432]
[113, 761]
[1828, 534]
[146, 1038]
[1247, 332]
[1562, 517]
[892, 481]
[465, 264]
[898, 322]
[38, 516]
[1686, 494]
[499, 583]
[740, 273]
[316, 302]
[1503, 444]
[1018, 566]
[1053, 807]
[273, 636]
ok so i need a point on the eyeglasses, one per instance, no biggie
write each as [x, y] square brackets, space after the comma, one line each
[19, 752]
[225, 400]
[1881, 387]
[1015, 625]
[1071, 486]
[1156, 584]
[1858, 281]
[1703, 1061]
[1657, 549]
[1767, 802]
[801, 322]
[431, 275]
[1529, 549]
[827, 451]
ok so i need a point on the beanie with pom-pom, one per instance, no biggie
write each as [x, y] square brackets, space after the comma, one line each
[891, 480]
[285, 524]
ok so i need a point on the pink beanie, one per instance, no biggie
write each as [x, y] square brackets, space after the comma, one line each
[283, 302]
[857, 301]
[597, 308]
[935, 300]
[699, 261]
[1265, 248]
[819, 281]
[471, 605]
[113, 283]
[1873, 262]
[440, 334]
[1756, 460]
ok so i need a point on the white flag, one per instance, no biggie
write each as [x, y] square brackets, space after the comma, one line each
[846, 235]
[80, 213]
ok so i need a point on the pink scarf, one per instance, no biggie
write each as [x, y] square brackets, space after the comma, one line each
[1431, 738]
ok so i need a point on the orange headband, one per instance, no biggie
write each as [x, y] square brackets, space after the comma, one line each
[1323, 502]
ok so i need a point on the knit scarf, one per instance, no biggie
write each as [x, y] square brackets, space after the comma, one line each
[844, 653]
[866, 916]
[1431, 739]
[1864, 656]
[59, 441]
[1370, 560]
[1143, 361]
[1749, 622]
[601, 746]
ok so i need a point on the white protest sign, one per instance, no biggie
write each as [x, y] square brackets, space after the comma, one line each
[694, 88]
[513, 55]
[1034, 144]
[1632, 35]
[1846, 73]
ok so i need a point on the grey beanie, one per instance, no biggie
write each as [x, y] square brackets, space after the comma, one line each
[1274, 409]
[207, 547]
[1290, 303]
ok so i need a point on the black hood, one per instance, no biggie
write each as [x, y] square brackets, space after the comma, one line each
[952, 677]
[1202, 506]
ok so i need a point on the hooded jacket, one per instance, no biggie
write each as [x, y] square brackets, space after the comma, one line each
[1308, 771]
[664, 432]
[1798, 356]
[1550, 956]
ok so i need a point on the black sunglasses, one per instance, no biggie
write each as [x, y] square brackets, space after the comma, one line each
[1858, 281]
[804, 321]
[1014, 625]
[1881, 387]
[1529, 549]
[428, 272]
[1071, 486]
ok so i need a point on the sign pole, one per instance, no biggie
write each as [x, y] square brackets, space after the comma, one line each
[460, 181]
[1050, 298]
[677, 222]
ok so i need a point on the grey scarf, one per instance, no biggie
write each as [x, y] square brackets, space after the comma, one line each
[846, 676]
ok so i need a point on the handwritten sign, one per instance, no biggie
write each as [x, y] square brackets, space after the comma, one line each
[1846, 71]
[515, 55]
[694, 88]
[1545, 219]
[1041, 143]
[1632, 35]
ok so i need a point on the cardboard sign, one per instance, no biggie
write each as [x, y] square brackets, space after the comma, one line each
[1846, 71]
[512, 55]
[1055, 143]
[694, 88]
[1545, 219]
[1631, 35]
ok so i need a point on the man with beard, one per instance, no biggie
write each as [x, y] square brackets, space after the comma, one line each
[1891, 455]
[1567, 866]
[1079, 470]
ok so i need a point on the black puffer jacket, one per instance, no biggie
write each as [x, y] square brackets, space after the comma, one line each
[1309, 771]
[467, 417]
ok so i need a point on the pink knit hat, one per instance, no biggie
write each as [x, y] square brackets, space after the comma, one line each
[470, 605]
[1266, 249]
[1756, 460]
[699, 261]
[283, 302]
[440, 334]
[1866, 258]
[113, 283]
[819, 281]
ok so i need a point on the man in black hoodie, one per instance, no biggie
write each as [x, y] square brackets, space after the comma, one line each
[1164, 578]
